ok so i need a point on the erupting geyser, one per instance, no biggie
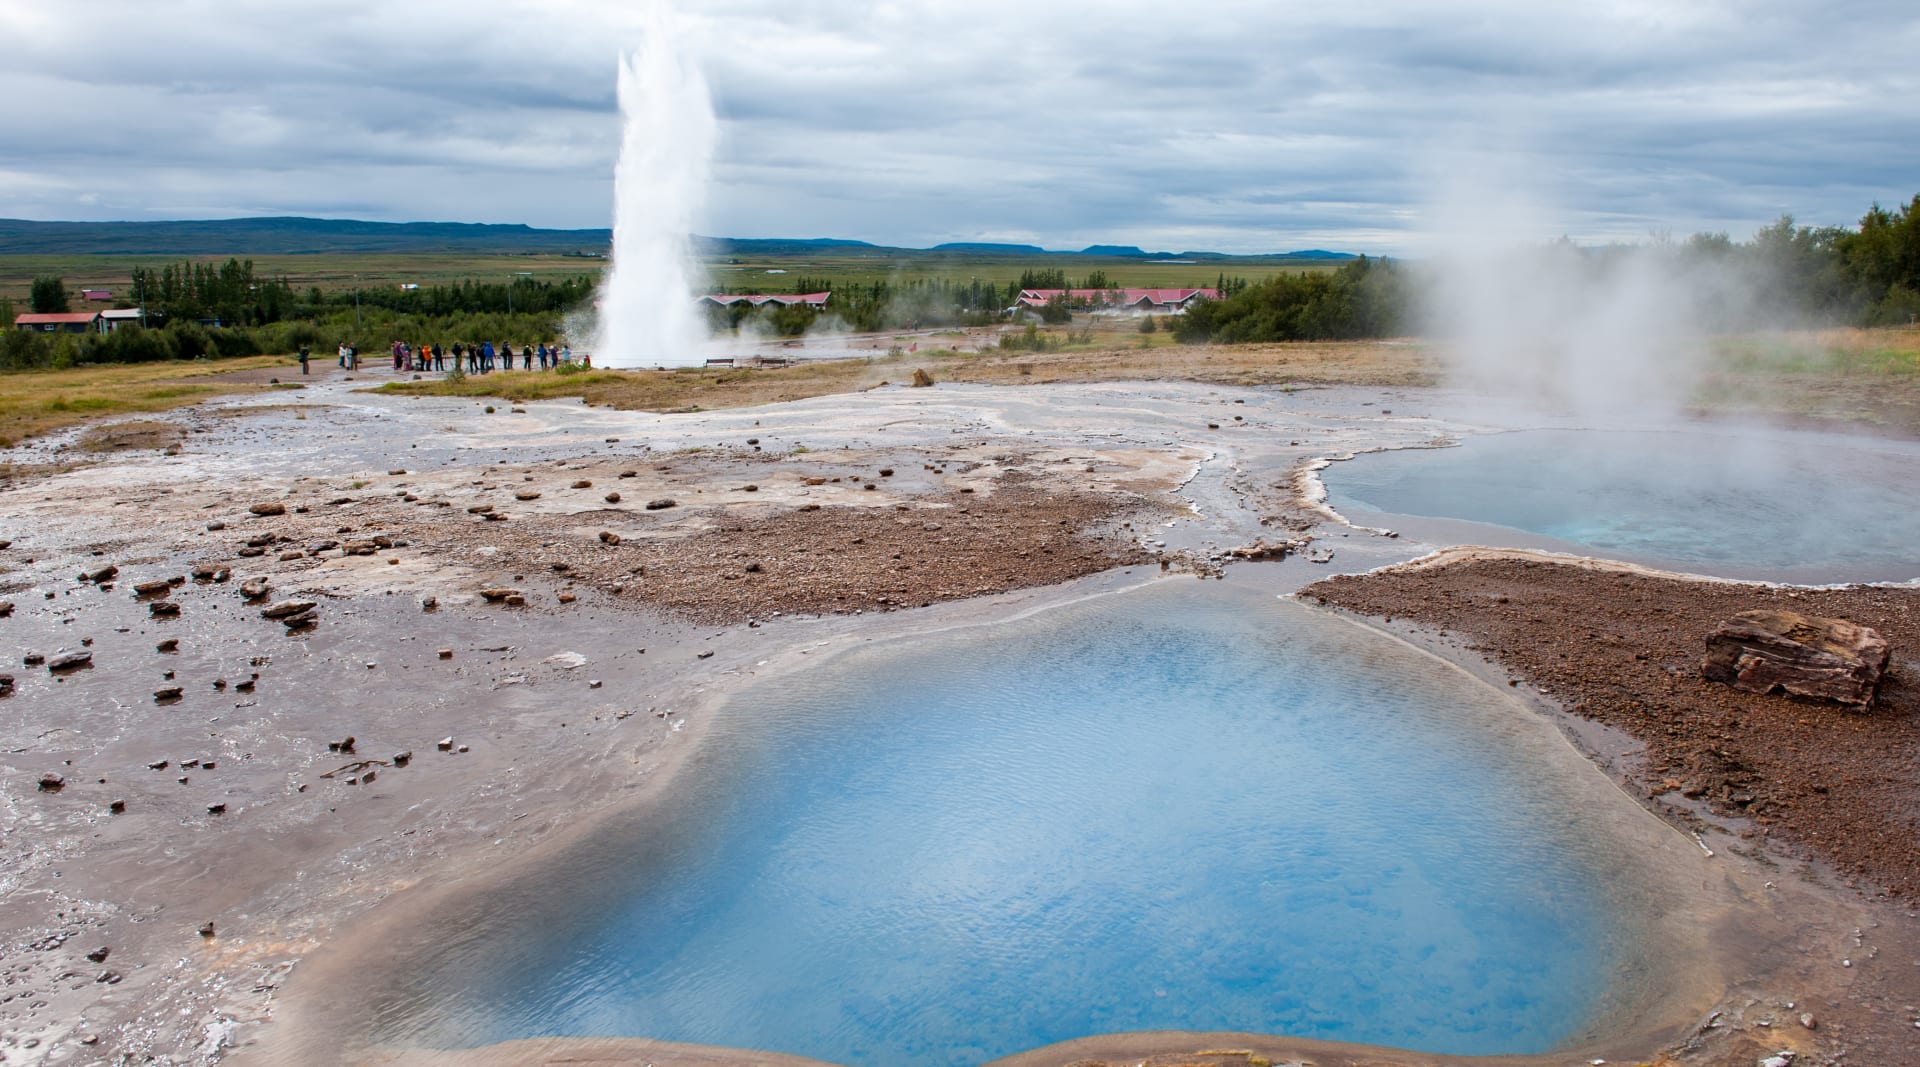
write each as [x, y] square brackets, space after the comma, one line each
[647, 315]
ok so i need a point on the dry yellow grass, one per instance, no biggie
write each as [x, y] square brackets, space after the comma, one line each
[33, 403]
[1359, 363]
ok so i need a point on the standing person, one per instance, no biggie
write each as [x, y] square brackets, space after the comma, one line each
[304, 353]
[459, 352]
[486, 357]
[343, 355]
[439, 357]
[526, 357]
[542, 353]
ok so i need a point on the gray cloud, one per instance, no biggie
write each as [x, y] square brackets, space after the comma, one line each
[1233, 125]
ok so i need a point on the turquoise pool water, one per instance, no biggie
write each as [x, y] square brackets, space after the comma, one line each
[1799, 507]
[1186, 807]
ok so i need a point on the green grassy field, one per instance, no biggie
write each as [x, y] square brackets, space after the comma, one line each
[337, 272]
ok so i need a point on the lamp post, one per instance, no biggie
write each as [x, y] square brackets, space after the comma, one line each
[356, 303]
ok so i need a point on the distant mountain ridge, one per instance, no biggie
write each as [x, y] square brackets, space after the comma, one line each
[295, 235]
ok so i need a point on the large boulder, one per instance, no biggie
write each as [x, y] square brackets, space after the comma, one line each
[1770, 651]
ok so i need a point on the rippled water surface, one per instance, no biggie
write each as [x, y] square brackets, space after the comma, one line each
[1803, 507]
[1181, 808]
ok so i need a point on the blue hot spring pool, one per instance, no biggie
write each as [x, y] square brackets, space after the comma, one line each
[1185, 807]
[1789, 506]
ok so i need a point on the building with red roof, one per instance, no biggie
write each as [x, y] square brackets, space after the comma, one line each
[1161, 300]
[58, 322]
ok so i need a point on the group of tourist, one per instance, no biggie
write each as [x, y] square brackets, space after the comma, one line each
[471, 358]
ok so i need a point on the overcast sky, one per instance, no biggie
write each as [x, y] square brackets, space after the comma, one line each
[1257, 126]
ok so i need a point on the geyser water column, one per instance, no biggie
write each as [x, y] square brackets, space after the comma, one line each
[647, 316]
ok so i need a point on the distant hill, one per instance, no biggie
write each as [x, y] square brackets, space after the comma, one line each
[292, 235]
[286, 236]
[989, 248]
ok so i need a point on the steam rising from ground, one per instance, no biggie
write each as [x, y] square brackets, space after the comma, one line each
[1548, 324]
[647, 314]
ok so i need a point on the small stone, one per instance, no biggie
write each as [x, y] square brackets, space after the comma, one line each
[287, 609]
[462, 748]
[206, 929]
[497, 595]
[66, 661]
[151, 587]
[271, 507]
[161, 696]
[608, 537]
[33, 659]
[446, 653]
[216, 809]
[660, 504]
[629, 474]
[117, 807]
[705, 655]
[6, 685]
[526, 494]
[886, 472]
[566, 598]
[52, 783]
[6, 609]
[428, 603]
[99, 955]
[397, 471]
[157, 765]
[749, 488]
[1807, 1020]
[593, 683]
[163, 609]
[479, 509]
[445, 744]
[613, 498]
[515, 600]
[583, 484]
[401, 759]
[100, 575]
[255, 588]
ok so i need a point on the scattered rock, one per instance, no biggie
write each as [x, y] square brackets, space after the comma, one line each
[251, 552]
[151, 587]
[68, 661]
[216, 809]
[52, 783]
[660, 504]
[397, 471]
[495, 596]
[6, 685]
[613, 498]
[286, 609]
[428, 603]
[292, 554]
[33, 659]
[117, 807]
[99, 955]
[1768, 651]
[445, 744]
[171, 644]
[629, 474]
[401, 759]
[608, 537]
[262, 540]
[704, 655]
[206, 929]
[514, 600]
[567, 598]
[1807, 1020]
[359, 548]
[446, 653]
[526, 494]
[6, 609]
[271, 507]
[479, 509]
[583, 484]
[886, 472]
[203, 573]
[164, 695]
[345, 746]
[100, 574]
[254, 588]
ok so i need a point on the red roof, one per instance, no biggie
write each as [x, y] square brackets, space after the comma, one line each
[1122, 297]
[41, 318]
